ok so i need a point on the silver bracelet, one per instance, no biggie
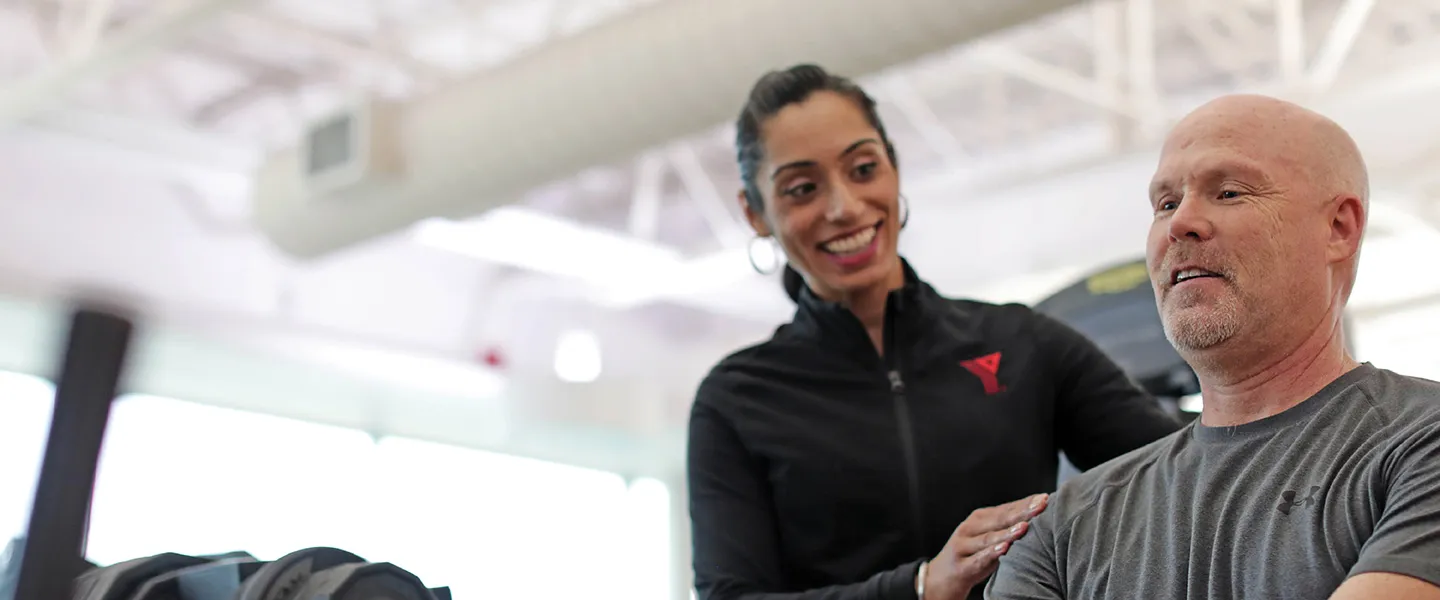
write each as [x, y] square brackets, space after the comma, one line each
[920, 580]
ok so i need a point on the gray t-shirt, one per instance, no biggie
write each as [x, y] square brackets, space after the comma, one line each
[1289, 506]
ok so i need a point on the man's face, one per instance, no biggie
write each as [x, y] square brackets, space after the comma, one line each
[1233, 251]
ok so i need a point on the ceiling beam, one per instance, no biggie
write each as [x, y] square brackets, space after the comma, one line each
[112, 56]
[1290, 34]
[344, 47]
[1336, 47]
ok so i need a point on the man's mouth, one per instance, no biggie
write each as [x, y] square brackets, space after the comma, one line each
[852, 242]
[1180, 276]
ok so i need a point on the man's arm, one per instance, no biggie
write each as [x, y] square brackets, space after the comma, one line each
[1383, 586]
[1402, 557]
[1101, 414]
[1029, 571]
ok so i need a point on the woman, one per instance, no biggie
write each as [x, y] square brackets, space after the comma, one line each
[852, 454]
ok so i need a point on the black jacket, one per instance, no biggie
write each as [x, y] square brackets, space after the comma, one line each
[818, 470]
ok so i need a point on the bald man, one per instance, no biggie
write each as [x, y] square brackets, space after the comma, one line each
[1307, 475]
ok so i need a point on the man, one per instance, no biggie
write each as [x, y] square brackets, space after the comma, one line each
[1307, 475]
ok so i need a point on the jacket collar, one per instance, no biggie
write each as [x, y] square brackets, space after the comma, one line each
[914, 311]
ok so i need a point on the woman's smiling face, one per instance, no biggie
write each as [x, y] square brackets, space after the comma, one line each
[831, 194]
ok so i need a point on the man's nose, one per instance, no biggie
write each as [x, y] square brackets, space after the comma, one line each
[1191, 222]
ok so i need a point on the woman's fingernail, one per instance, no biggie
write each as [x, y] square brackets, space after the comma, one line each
[1014, 528]
[1000, 547]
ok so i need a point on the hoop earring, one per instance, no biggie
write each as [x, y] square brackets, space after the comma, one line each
[904, 211]
[775, 260]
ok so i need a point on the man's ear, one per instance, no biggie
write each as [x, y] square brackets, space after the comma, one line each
[1347, 228]
[756, 219]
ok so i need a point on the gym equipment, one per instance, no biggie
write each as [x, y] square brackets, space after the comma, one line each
[361, 581]
[10, 567]
[121, 580]
[309, 574]
[1115, 308]
[220, 578]
[46, 562]
[51, 557]
[282, 579]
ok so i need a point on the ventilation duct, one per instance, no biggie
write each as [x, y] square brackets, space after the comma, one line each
[666, 71]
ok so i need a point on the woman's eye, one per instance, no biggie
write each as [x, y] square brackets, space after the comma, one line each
[799, 190]
[865, 170]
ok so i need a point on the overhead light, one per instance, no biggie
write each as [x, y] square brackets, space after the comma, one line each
[626, 270]
[535, 241]
[577, 357]
[695, 277]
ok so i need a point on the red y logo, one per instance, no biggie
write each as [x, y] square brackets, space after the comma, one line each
[985, 368]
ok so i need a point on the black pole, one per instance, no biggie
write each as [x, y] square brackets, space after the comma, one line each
[93, 360]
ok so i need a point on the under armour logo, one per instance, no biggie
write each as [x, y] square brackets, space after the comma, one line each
[985, 368]
[1288, 500]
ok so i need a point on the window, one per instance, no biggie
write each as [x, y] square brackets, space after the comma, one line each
[182, 477]
[25, 404]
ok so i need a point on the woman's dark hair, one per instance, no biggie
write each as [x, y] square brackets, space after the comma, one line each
[773, 92]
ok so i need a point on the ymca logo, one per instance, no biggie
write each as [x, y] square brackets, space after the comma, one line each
[1289, 502]
[986, 369]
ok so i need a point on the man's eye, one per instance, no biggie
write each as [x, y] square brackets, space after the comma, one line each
[1229, 195]
[1169, 205]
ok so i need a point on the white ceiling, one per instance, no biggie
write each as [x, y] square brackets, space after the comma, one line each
[1024, 155]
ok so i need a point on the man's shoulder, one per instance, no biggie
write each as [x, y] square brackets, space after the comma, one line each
[1399, 396]
[1385, 405]
[1082, 492]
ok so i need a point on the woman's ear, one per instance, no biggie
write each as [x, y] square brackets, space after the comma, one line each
[756, 219]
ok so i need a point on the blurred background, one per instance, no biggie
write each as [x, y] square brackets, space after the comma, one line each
[435, 280]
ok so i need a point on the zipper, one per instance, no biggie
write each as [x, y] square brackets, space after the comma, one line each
[907, 433]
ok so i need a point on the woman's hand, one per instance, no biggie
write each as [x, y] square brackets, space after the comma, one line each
[974, 550]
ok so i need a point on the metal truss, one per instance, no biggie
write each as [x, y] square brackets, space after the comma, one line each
[277, 56]
[1123, 63]
[1139, 50]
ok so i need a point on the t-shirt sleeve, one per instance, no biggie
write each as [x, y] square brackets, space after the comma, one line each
[1406, 540]
[1029, 570]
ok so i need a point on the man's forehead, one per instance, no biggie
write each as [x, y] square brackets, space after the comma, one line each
[1204, 166]
[1258, 128]
[1191, 154]
[1222, 133]
[1216, 146]
[1197, 166]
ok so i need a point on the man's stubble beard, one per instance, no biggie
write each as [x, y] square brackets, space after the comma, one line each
[1198, 328]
